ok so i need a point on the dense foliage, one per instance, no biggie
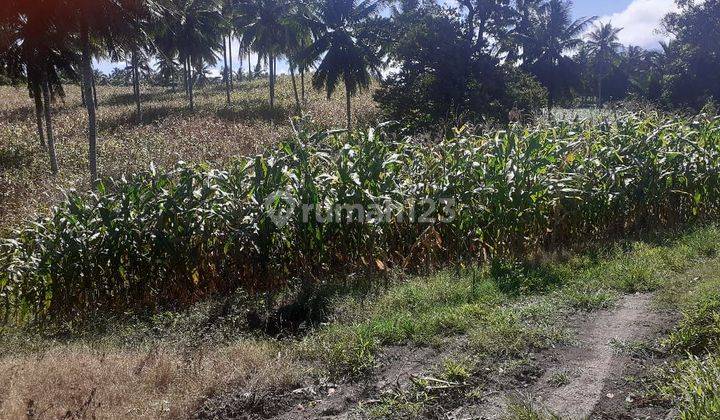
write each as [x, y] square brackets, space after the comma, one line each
[445, 78]
[169, 238]
[692, 72]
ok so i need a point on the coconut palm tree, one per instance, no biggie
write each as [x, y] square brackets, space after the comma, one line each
[34, 50]
[90, 20]
[299, 36]
[264, 25]
[228, 12]
[604, 44]
[195, 28]
[344, 46]
[168, 68]
[550, 34]
[133, 33]
[516, 44]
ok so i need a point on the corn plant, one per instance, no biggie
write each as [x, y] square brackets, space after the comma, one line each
[157, 239]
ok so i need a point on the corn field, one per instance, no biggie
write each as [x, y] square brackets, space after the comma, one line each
[158, 239]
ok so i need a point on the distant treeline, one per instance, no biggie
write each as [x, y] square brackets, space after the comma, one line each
[476, 61]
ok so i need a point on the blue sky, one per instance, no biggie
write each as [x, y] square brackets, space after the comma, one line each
[599, 8]
[638, 18]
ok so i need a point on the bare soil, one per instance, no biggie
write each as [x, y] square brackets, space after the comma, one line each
[604, 355]
[599, 376]
[323, 399]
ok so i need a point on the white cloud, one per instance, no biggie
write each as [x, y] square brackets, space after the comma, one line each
[640, 21]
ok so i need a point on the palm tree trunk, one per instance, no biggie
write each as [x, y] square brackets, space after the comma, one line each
[599, 97]
[550, 105]
[347, 104]
[190, 84]
[185, 78]
[302, 74]
[271, 75]
[136, 86]
[551, 98]
[48, 124]
[94, 91]
[240, 66]
[230, 57]
[37, 96]
[227, 77]
[250, 75]
[295, 89]
[87, 74]
[302, 84]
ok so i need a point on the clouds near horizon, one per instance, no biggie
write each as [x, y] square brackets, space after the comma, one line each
[640, 21]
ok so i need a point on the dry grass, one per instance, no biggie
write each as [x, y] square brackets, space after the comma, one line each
[167, 134]
[81, 382]
[159, 380]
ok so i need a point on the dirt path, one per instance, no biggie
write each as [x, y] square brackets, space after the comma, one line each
[583, 380]
[597, 357]
[577, 378]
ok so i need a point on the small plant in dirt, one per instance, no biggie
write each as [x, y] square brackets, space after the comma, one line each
[638, 349]
[455, 370]
[559, 379]
[527, 410]
[584, 299]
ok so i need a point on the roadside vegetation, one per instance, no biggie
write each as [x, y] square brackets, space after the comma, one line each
[691, 381]
[160, 239]
[405, 225]
[473, 318]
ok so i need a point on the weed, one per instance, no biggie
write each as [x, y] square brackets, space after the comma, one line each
[525, 410]
[559, 379]
[457, 370]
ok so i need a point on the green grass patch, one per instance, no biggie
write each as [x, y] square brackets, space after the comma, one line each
[504, 310]
[691, 382]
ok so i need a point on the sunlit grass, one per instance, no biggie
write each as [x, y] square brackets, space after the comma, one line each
[215, 133]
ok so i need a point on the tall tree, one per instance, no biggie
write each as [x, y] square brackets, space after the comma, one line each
[196, 28]
[34, 49]
[92, 19]
[134, 23]
[692, 71]
[443, 80]
[604, 44]
[549, 35]
[487, 21]
[299, 36]
[168, 68]
[264, 27]
[228, 12]
[518, 44]
[346, 47]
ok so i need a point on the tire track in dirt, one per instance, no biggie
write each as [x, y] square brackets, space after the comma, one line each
[587, 366]
[593, 361]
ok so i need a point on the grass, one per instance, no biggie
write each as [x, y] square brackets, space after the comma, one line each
[164, 365]
[559, 379]
[498, 323]
[526, 410]
[168, 133]
[691, 381]
[114, 383]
